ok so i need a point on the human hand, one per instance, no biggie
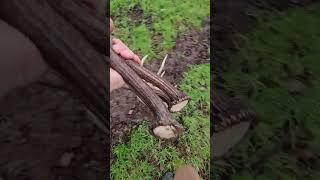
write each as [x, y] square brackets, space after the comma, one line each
[116, 81]
[120, 48]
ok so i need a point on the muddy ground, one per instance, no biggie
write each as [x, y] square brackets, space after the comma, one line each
[191, 48]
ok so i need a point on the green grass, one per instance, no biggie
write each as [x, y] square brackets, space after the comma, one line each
[283, 47]
[154, 28]
[145, 157]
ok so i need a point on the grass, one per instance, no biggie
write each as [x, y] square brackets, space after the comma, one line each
[145, 157]
[282, 48]
[151, 27]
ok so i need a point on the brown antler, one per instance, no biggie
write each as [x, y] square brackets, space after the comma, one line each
[65, 49]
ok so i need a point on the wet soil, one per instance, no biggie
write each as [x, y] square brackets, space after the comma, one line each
[191, 48]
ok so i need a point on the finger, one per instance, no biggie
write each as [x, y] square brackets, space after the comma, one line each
[127, 54]
[118, 48]
[136, 59]
[117, 41]
[117, 45]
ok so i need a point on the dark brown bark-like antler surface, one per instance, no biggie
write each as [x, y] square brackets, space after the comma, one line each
[80, 57]
[149, 97]
[91, 25]
[64, 48]
[177, 98]
[169, 128]
[93, 31]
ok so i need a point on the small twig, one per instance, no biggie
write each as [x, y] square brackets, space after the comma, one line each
[143, 60]
[162, 65]
[140, 100]
[162, 74]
